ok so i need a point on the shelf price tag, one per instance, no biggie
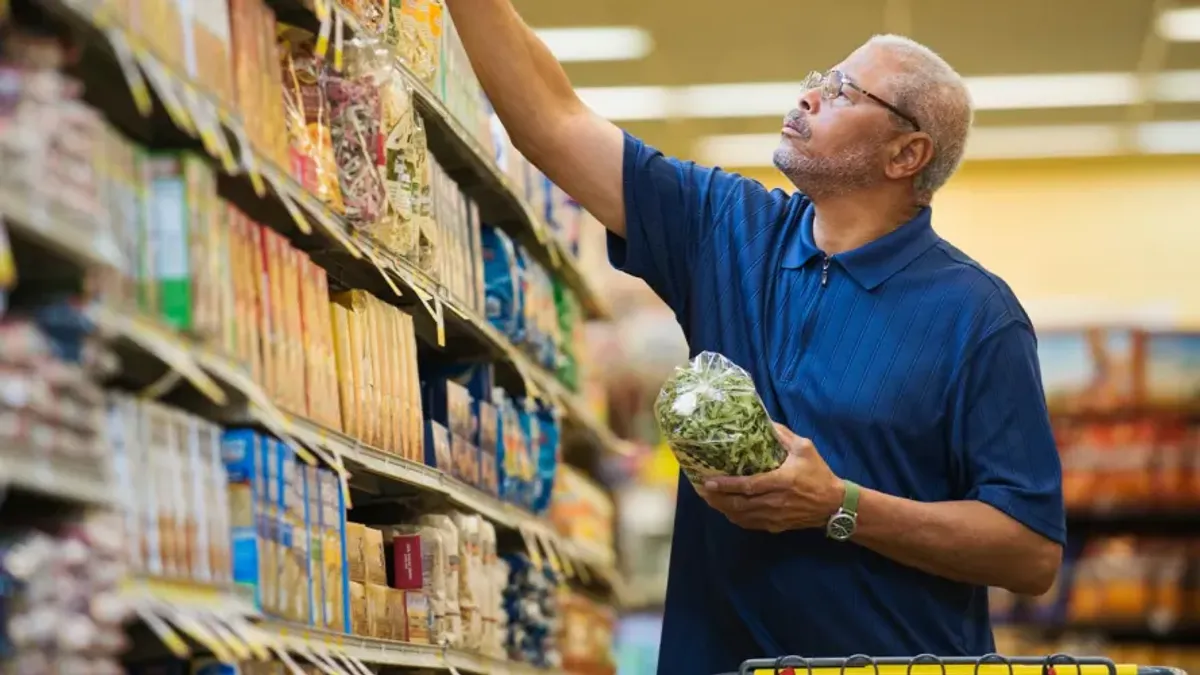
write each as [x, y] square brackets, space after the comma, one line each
[160, 387]
[339, 31]
[166, 348]
[551, 553]
[331, 226]
[564, 557]
[164, 85]
[253, 637]
[288, 662]
[167, 635]
[249, 160]
[369, 252]
[531, 546]
[130, 71]
[285, 195]
[323, 31]
[237, 646]
[190, 625]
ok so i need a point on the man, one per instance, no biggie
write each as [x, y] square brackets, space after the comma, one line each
[922, 468]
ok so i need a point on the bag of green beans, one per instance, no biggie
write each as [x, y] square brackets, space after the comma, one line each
[711, 416]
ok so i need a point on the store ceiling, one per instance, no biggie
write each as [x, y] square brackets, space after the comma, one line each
[697, 42]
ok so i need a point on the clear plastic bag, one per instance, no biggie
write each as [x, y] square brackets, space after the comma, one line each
[711, 416]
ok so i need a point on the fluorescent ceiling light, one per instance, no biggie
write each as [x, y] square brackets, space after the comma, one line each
[1004, 92]
[1178, 86]
[1023, 142]
[1057, 90]
[1180, 25]
[628, 103]
[1169, 138]
[601, 43]
[991, 143]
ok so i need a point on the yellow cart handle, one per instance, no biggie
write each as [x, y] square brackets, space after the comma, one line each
[928, 664]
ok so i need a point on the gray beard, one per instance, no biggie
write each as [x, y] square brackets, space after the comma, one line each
[823, 177]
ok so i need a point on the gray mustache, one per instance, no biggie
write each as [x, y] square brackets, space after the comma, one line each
[797, 119]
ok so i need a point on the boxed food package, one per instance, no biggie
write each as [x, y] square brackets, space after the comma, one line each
[419, 566]
[437, 447]
[356, 558]
[1173, 371]
[335, 580]
[452, 622]
[250, 511]
[379, 607]
[373, 557]
[397, 616]
[418, 620]
[465, 460]
[360, 610]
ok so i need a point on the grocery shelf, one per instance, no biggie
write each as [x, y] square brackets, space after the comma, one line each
[499, 203]
[1142, 520]
[243, 401]
[60, 478]
[1162, 632]
[33, 215]
[375, 651]
[354, 259]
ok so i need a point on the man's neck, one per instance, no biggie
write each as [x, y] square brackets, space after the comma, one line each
[847, 222]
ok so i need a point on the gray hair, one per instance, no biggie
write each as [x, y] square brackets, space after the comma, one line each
[930, 90]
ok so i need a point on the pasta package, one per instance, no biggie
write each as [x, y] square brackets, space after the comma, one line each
[714, 421]
[307, 116]
[356, 118]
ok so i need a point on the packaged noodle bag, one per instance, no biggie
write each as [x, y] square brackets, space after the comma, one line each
[711, 416]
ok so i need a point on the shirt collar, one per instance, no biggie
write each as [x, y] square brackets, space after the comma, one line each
[875, 262]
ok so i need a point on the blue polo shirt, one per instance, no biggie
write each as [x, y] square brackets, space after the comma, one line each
[912, 368]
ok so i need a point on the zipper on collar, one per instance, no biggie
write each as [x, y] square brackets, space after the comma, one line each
[825, 260]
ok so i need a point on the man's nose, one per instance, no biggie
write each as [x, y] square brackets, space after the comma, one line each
[810, 101]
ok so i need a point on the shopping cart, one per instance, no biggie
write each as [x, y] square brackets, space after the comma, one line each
[928, 664]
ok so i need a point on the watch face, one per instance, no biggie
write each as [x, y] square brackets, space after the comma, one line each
[841, 526]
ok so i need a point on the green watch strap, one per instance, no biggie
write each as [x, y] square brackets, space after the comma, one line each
[850, 500]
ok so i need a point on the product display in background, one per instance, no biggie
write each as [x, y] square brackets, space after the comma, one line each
[1099, 370]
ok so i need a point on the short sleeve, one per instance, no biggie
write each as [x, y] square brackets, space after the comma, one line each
[671, 207]
[1003, 435]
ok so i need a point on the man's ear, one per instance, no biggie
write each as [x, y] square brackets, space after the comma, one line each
[910, 154]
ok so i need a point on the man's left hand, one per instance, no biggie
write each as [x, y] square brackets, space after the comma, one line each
[802, 493]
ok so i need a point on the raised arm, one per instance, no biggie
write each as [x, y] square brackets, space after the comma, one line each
[578, 150]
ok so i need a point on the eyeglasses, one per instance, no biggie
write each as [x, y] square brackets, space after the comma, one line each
[831, 85]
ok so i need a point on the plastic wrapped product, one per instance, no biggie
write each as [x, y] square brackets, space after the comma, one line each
[307, 114]
[356, 117]
[711, 416]
[546, 456]
[502, 280]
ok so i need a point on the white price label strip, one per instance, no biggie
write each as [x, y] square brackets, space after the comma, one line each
[164, 86]
[187, 623]
[249, 160]
[282, 189]
[237, 646]
[290, 663]
[369, 252]
[130, 71]
[167, 635]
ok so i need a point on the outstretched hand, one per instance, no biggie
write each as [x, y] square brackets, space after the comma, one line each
[802, 493]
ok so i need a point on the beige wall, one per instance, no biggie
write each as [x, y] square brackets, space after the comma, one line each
[1095, 240]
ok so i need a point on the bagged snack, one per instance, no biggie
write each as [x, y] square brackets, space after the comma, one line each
[308, 117]
[714, 421]
[356, 118]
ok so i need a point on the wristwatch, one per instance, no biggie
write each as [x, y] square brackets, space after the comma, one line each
[841, 525]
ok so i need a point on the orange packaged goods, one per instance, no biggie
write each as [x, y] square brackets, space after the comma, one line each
[258, 90]
[307, 116]
[1093, 370]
